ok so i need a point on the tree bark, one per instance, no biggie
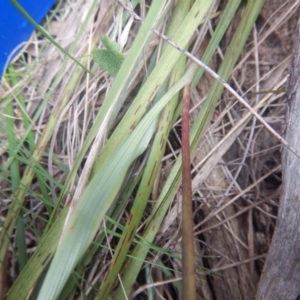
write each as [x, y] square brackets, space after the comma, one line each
[281, 275]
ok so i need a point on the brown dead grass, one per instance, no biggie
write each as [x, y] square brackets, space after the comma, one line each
[236, 193]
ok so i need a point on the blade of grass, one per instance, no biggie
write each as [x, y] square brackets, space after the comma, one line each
[183, 40]
[132, 269]
[185, 32]
[222, 26]
[41, 30]
[15, 176]
[90, 254]
[152, 167]
[54, 240]
[38, 262]
[114, 100]
[30, 137]
[188, 264]
[10, 135]
[15, 180]
[29, 172]
[45, 251]
[155, 80]
[98, 197]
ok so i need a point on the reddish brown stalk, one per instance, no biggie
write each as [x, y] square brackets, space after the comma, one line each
[188, 266]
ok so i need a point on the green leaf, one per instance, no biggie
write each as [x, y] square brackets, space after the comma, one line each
[109, 59]
[110, 45]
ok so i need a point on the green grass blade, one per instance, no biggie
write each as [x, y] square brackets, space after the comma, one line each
[45, 34]
[83, 223]
[29, 138]
[45, 251]
[38, 262]
[116, 95]
[67, 93]
[100, 240]
[132, 269]
[15, 180]
[151, 169]
[155, 80]
[29, 172]
[222, 26]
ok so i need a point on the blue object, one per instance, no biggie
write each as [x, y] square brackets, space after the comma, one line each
[14, 28]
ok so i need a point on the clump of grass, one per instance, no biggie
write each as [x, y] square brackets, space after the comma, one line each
[83, 174]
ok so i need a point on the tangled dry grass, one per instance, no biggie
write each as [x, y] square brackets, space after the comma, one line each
[236, 170]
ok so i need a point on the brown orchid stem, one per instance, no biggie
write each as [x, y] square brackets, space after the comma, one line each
[188, 270]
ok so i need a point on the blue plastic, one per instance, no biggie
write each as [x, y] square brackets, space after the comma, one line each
[14, 28]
